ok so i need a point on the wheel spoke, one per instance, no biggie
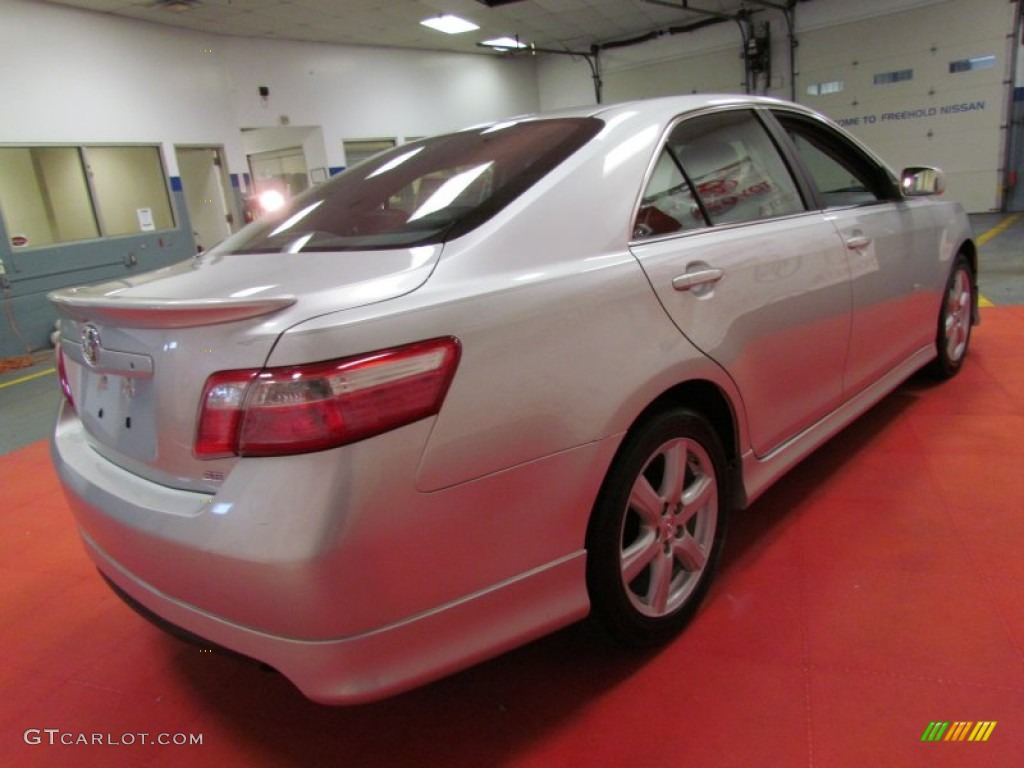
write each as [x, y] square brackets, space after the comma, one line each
[639, 555]
[696, 497]
[661, 580]
[689, 553]
[644, 500]
[675, 471]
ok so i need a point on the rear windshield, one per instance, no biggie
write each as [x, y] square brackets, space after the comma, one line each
[419, 193]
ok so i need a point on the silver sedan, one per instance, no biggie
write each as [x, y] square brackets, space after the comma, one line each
[487, 384]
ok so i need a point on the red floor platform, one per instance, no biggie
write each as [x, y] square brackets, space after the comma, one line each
[876, 590]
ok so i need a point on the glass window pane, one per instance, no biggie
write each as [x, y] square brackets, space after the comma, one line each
[899, 76]
[842, 173]
[668, 204]
[131, 189]
[357, 150]
[837, 184]
[427, 192]
[281, 170]
[967, 65]
[44, 197]
[736, 169]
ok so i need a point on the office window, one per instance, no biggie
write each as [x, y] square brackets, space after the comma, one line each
[44, 196]
[52, 195]
[130, 189]
[968, 65]
[885, 78]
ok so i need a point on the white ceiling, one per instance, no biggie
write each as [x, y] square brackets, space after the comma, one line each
[562, 24]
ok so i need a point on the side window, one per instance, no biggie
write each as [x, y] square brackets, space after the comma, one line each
[842, 173]
[668, 204]
[720, 168]
[734, 168]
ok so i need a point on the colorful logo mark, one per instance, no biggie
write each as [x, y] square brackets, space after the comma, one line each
[959, 731]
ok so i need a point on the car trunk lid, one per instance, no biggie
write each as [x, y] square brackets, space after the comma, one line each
[138, 351]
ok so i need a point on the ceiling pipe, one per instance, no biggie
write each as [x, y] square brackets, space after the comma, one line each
[742, 18]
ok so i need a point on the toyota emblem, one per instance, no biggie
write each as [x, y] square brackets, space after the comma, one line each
[90, 344]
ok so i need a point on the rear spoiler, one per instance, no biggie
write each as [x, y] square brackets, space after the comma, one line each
[163, 313]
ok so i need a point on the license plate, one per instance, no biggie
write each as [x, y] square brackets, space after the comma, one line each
[119, 412]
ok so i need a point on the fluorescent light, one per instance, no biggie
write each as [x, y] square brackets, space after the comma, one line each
[451, 25]
[504, 43]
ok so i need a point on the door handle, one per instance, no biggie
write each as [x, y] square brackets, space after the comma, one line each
[856, 242]
[690, 280]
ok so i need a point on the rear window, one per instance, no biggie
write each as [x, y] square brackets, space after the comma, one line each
[419, 193]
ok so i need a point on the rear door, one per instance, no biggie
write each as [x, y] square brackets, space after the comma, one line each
[749, 274]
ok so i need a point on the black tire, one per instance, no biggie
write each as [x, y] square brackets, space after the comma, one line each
[655, 537]
[956, 316]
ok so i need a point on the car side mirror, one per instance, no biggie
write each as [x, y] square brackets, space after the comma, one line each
[920, 181]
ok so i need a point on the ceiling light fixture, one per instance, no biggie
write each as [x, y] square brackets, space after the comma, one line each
[505, 44]
[449, 24]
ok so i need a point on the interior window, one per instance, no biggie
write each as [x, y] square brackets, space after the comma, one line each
[44, 196]
[842, 173]
[130, 189]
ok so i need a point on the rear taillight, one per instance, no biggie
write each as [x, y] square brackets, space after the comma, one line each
[62, 374]
[278, 411]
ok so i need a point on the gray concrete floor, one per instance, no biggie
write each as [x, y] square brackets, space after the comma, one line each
[28, 403]
[29, 396]
[1001, 256]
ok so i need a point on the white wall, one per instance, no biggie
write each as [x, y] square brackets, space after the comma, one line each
[356, 93]
[73, 76]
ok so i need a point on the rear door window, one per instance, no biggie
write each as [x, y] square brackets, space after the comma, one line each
[718, 168]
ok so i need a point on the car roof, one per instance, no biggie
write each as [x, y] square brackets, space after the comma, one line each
[666, 107]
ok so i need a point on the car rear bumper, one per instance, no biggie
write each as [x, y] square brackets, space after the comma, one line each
[350, 585]
[392, 659]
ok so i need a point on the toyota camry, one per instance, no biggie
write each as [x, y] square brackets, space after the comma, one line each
[486, 384]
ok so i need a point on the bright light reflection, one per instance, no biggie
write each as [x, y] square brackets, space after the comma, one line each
[394, 162]
[639, 142]
[221, 507]
[614, 123]
[295, 218]
[421, 254]
[299, 244]
[500, 127]
[271, 200]
[450, 190]
[250, 291]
